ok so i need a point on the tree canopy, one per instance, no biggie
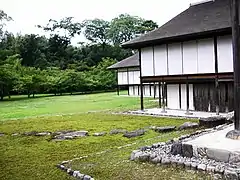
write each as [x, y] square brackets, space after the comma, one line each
[31, 63]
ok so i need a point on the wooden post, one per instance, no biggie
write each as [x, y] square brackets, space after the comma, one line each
[159, 95]
[217, 98]
[163, 98]
[118, 90]
[141, 84]
[236, 62]
[128, 82]
[235, 134]
[187, 98]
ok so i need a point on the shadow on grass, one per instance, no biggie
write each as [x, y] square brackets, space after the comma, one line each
[38, 96]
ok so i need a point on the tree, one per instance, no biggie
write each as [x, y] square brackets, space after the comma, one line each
[65, 28]
[32, 49]
[96, 30]
[126, 27]
[3, 19]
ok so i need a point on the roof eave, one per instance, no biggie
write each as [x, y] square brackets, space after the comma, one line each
[203, 34]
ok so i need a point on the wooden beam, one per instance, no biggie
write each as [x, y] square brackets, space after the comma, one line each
[159, 95]
[180, 96]
[236, 62]
[187, 96]
[217, 98]
[141, 82]
[128, 81]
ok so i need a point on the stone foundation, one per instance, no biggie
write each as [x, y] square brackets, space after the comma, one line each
[178, 153]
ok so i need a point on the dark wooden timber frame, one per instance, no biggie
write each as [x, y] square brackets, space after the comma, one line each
[164, 97]
[180, 96]
[236, 62]
[187, 95]
[216, 78]
[159, 95]
[207, 77]
[141, 81]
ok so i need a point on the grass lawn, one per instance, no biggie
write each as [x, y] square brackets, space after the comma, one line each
[29, 157]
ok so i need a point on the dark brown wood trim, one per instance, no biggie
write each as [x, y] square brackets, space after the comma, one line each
[159, 95]
[216, 77]
[180, 38]
[163, 96]
[187, 95]
[141, 80]
[236, 63]
[180, 96]
[191, 77]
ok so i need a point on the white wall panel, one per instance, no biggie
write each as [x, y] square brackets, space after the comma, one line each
[136, 77]
[147, 61]
[131, 77]
[136, 91]
[173, 96]
[131, 93]
[124, 77]
[190, 57]
[160, 60]
[152, 91]
[174, 59]
[146, 90]
[120, 78]
[225, 54]
[183, 97]
[191, 103]
[157, 90]
[206, 63]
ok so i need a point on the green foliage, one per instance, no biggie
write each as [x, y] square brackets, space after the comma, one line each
[126, 27]
[32, 64]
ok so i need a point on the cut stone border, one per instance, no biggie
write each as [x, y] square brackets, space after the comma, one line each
[176, 153]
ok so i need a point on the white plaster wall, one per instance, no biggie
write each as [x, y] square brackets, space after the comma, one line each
[131, 77]
[183, 97]
[152, 91]
[225, 54]
[146, 90]
[131, 93]
[173, 96]
[174, 59]
[136, 77]
[147, 61]
[124, 78]
[206, 62]
[120, 78]
[160, 60]
[191, 103]
[136, 90]
[157, 91]
[190, 57]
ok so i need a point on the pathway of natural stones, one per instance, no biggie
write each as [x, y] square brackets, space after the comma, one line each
[71, 134]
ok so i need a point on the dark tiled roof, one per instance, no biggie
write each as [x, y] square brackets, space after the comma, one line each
[132, 61]
[205, 17]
